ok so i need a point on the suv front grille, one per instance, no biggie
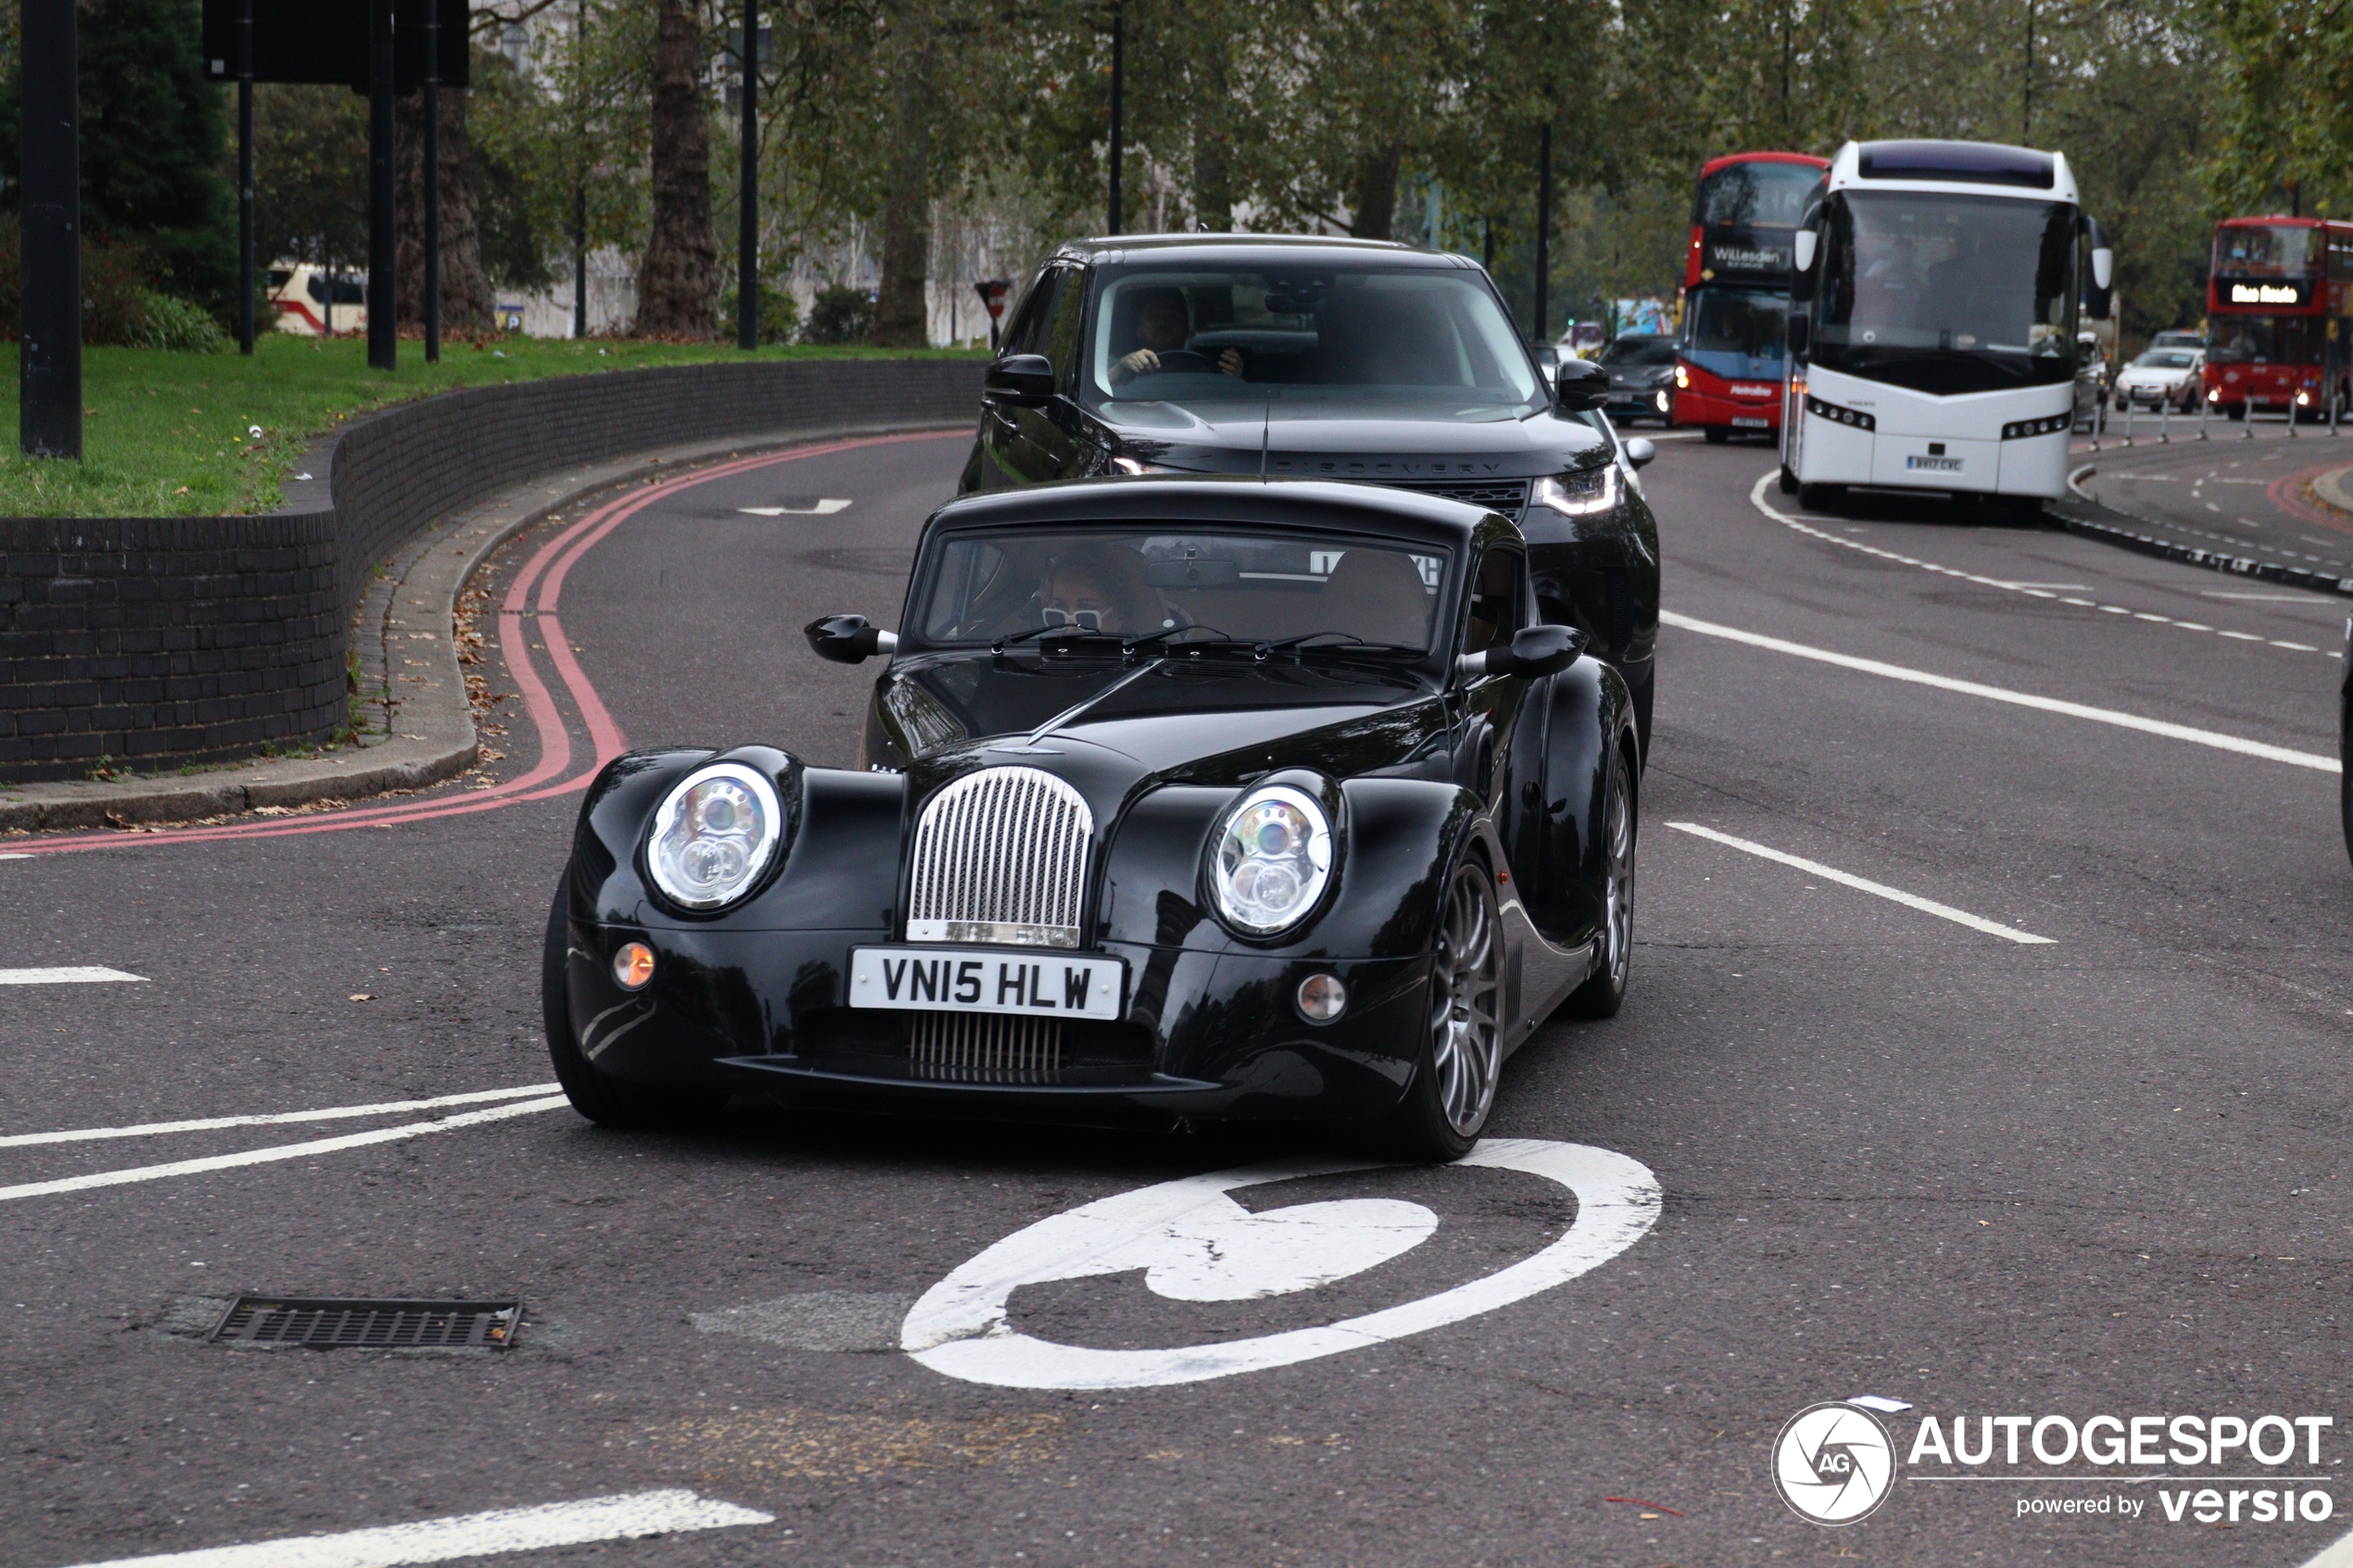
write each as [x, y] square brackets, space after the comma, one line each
[1507, 495]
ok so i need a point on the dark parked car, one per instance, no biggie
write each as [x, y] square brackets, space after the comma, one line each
[1641, 377]
[1178, 799]
[1340, 359]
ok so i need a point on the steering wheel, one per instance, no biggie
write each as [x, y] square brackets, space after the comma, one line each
[1184, 359]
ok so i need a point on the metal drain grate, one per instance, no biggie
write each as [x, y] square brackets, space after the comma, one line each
[331, 1323]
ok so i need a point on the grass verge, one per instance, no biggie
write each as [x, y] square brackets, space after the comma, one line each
[168, 435]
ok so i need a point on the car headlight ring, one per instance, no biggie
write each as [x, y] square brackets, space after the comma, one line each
[714, 836]
[1580, 492]
[1271, 861]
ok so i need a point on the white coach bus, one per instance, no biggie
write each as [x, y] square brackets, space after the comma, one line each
[1934, 297]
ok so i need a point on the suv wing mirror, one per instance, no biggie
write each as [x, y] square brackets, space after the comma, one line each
[1022, 379]
[1580, 385]
[849, 639]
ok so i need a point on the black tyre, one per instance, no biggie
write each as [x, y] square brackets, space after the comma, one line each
[1602, 995]
[605, 1101]
[1453, 1086]
[1717, 434]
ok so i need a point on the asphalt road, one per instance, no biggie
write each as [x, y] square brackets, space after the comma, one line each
[2246, 489]
[1900, 1155]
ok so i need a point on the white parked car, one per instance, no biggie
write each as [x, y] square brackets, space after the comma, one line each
[2161, 376]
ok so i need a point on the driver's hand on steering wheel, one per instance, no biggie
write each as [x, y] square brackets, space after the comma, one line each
[1231, 362]
[1130, 365]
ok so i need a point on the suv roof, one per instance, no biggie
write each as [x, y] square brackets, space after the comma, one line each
[1237, 247]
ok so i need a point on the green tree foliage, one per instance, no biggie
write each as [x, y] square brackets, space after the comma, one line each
[2285, 137]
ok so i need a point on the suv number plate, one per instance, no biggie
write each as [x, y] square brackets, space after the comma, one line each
[1038, 985]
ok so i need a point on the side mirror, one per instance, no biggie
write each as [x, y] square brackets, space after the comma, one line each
[1800, 333]
[1022, 378]
[2096, 299]
[1639, 450]
[849, 639]
[1580, 385]
[1801, 249]
[1535, 652]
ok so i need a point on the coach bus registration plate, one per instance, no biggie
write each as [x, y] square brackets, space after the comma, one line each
[1029, 981]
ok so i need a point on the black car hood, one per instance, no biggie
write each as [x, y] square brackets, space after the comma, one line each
[1214, 722]
[1327, 438]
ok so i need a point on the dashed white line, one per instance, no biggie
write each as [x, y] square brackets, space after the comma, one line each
[625, 1516]
[273, 1119]
[2215, 738]
[275, 1152]
[72, 974]
[1861, 884]
[2033, 590]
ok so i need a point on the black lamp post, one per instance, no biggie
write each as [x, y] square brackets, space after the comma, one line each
[432, 182]
[383, 318]
[244, 176]
[1544, 227]
[748, 196]
[49, 370]
[1118, 68]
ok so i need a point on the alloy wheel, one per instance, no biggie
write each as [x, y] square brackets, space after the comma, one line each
[1618, 891]
[1466, 1034]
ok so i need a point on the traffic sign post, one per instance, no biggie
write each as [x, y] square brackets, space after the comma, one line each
[993, 294]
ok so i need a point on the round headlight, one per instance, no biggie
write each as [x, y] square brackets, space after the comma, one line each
[714, 835]
[1272, 860]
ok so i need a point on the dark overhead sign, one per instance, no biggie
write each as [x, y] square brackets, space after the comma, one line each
[326, 41]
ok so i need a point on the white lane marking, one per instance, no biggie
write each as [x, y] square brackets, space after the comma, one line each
[2338, 1556]
[2269, 598]
[958, 1327]
[72, 974]
[2214, 738]
[1878, 889]
[825, 508]
[625, 1517]
[13, 855]
[276, 1152]
[2033, 590]
[211, 1123]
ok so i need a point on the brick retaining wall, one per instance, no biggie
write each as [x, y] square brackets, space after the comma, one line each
[163, 640]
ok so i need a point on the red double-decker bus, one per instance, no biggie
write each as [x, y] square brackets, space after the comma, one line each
[1736, 291]
[2279, 315]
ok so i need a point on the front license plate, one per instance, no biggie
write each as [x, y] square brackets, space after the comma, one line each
[1934, 464]
[987, 980]
[1750, 422]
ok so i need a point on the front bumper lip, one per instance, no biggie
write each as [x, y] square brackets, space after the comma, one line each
[793, 1068]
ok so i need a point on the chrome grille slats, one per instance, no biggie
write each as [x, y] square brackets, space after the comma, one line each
[1000, 856]
[985, 1047]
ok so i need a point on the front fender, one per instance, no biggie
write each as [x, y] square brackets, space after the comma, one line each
[1591, 718]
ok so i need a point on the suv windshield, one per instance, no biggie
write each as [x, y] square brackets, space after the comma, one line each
[1628, 352]
[1438, 340]
[1948, 293]
[1146, 581]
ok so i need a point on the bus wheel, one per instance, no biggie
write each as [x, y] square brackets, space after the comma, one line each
[1820, 497]
[1719, 434]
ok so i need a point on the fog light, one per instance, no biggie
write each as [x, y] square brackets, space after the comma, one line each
[632, 966]
[1322, 998]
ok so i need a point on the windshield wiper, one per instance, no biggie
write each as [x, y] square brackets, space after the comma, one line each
[1073, 634]
[1168, 634]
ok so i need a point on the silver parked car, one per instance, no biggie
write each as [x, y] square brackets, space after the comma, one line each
[2161, 377]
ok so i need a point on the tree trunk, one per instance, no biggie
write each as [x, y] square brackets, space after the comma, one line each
[1376, 193]
[678, 281]
[902, 316]
[466, 303]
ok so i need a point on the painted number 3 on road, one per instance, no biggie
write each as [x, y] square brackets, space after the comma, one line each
[1194, 1243]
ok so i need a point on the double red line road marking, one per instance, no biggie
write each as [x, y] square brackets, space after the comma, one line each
[547, 777]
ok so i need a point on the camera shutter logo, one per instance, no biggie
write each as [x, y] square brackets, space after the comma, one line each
[1833, 1463]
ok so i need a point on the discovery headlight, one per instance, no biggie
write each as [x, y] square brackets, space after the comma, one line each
[714, 836]
[1272, 860]
[1580, 492]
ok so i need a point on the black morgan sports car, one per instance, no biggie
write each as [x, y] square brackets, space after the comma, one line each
[1179, 798]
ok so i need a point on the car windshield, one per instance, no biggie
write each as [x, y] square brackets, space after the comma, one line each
[1436, 340]
[1948, 293]
[1729, 322]
[1628, 352]
[1146, 579]
[2167, 359]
